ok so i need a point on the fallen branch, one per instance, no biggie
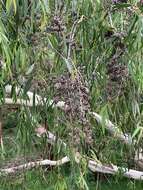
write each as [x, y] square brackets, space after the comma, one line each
[51, 138]
[114, 130]
[33, 100]
[96, 166]
[139, 158]
[133, 174]
[31, 165]
[29, 103]
[92, 165]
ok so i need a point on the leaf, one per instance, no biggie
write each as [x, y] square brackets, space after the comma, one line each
[9, 4]
[14, 5]
[27, 85]
[132, 25]
[136, 131]
[122, 5]
[30, 69]
[104, 115]
[140, 135]
[98, 1]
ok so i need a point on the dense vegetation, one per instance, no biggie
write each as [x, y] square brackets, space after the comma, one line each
[61, 63]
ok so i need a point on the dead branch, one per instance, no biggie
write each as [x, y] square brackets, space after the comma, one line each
[133, 174]
[97, 166]
[92, 165]
[114, 130]
[31, 165]
[51, 138]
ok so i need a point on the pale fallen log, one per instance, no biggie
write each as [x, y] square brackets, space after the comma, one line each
[30, 165]
[29, 103]
[38, 100]
[92, 165]
[97, 166]
[51, 138]
[114, 130]
[19, 91]
[139, 158]
[133, 174]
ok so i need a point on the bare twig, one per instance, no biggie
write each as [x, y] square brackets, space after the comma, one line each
[72, 34]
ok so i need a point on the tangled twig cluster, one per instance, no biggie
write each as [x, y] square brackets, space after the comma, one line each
[117, 79]
[117, 73]
[56, 25]
[75, 94]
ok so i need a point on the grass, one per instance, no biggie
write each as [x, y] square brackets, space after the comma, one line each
[39, 180]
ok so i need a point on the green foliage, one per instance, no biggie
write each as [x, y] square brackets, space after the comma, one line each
[34, 47]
